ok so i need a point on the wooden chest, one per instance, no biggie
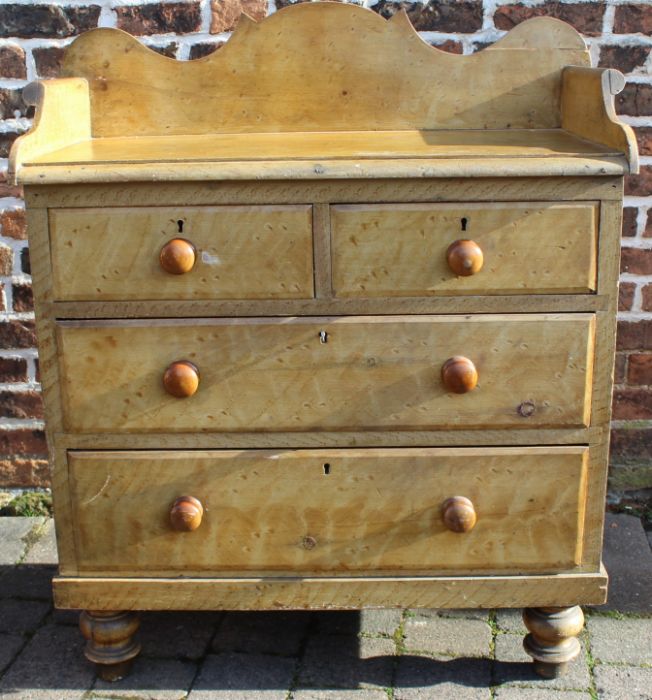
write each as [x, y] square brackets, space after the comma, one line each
[326, 320]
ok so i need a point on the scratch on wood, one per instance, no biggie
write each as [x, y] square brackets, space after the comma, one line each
[99, 493]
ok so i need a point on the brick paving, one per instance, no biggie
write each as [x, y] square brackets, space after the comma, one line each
[369, 655]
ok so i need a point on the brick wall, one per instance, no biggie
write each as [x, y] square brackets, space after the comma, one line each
[33, 35]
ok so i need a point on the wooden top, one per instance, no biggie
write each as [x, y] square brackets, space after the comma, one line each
[323, 82]
[326, 155]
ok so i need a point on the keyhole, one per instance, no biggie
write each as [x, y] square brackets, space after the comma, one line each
[327, 469]
[180, 225]
[463, 221]
[323, 337]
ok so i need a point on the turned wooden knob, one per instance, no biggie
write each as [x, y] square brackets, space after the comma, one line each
[181, 379]
[186, 514]
[458, 514]
[459, 375]
[177, 256]
[464, 257]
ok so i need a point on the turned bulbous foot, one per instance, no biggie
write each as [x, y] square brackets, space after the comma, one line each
[552, 640]
[110, 641]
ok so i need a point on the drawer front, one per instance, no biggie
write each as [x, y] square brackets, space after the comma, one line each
[240, 252]
[403, 249]
[307, 374]
[328, 510]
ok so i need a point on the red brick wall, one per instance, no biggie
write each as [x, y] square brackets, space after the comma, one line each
[33, 34]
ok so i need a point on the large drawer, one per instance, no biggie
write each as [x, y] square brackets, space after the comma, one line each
[240, 252]
[335, 511]
[309, 374]
[522, 248]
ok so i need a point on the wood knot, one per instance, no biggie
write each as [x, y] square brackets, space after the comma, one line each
[526, 409]
[308, 542]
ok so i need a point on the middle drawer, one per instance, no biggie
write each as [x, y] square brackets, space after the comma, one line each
[310, 374]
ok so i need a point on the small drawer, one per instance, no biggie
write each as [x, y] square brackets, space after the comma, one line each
[443, 249]
[322, 374]
[147, 253]
[329, 511]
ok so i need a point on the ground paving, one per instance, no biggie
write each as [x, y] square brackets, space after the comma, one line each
[373, 655]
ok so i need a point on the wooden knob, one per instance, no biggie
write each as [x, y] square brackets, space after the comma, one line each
[458, 514]
[177, 256]
[459, 375]
[186, 514]
[464, 257]
[181, 379]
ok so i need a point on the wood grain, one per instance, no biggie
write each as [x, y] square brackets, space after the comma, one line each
[62, 117]
[400, 249]
[372, 373]
[469, 144]
[380, 75]
[245, 252]
[587, 104]
[411, 188]
[324, 593]
[341, 306]
[330, 511]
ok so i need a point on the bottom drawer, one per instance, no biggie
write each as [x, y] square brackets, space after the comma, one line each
[328, 511]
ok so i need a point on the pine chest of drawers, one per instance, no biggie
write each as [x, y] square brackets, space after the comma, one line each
[326, 320]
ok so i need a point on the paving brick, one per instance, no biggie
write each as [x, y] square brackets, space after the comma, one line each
[182, 635]
[336, 622]
[151, 678]
[27, 582]
[539, 694]
[455, 613]
[20, 616]
[626, 641]
[628, 561]
[243, 677]
[380, 621]
[51, 667]
[511, 621]
[13, 532]
[10, 645]
[353, 622]
[262, 632]
[623, 683]
[340, 694]
[514, 667]
[351, 662]
[419, 678]
[44, 550]
[447, 636]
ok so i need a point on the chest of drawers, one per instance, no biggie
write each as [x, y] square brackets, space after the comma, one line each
[331, 333]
